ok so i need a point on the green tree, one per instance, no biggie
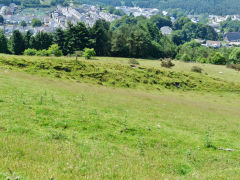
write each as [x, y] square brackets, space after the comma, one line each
[27, 37]
[160, 21]
[169, 48]
[136, 41]
[102, 36]
[23, 24]
[178, 25]
[59, 38]
[3, 43]
[197, 30]
[125, 20]
[154, 32]
[179, 37]
[36, 22]
[139, 43]
[119, 42]
[1, 19]
[17, 43]
[80, 36]
[42, 40]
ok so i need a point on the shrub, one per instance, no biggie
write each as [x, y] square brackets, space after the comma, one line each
[196, 69]
[234, 66]
[36, 22]
[186, 58]
[218, 58]
[234, 57]
[167, 63]
[55, 50]
[30, 52]
[203, 60]
[88, 53]
[133, 61]
[43, 52]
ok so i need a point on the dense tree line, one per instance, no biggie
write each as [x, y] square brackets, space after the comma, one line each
[134, 37]
[195, 52]
[219, 7]
[127, 37]
[230, 26]
[185, 30]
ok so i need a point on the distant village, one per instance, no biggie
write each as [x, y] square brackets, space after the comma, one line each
[51, 20]
[229, 39]
[60, 17]
[89, 14]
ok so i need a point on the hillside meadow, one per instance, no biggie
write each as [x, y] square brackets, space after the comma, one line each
[62, 119]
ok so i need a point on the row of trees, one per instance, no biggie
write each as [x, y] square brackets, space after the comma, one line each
[126, 37]
[132, 37]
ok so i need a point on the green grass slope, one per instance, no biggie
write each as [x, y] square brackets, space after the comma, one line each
[62, 129]
[118, 74]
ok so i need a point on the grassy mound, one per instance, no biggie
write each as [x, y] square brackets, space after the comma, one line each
[117, 75]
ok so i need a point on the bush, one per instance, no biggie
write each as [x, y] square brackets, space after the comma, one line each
[234, 57]
[203, 60]
[36, 22]
[30, 52]
[55, 50]
[186, 58]
[218, 58]
[167, 63]
[133, 61]
[88, 53]
[196, 69]
[43, 52]
[234, 66]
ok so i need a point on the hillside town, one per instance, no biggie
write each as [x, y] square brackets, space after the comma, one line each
[137, 11]
[60, 17]
[52, 20]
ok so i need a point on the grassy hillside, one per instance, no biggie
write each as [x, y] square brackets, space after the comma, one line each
[63, 129]
[119, 73]
[208, 69]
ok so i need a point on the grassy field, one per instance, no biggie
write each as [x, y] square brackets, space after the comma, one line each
[211, 70]
[66, 129]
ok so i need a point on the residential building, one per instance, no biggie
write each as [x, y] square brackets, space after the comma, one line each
[232, 37]
[215, 44]
[166, 30]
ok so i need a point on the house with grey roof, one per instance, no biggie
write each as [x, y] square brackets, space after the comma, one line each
[232, 37]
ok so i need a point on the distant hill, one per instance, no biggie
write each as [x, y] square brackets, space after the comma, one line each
[220, 7]
[194, 6]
